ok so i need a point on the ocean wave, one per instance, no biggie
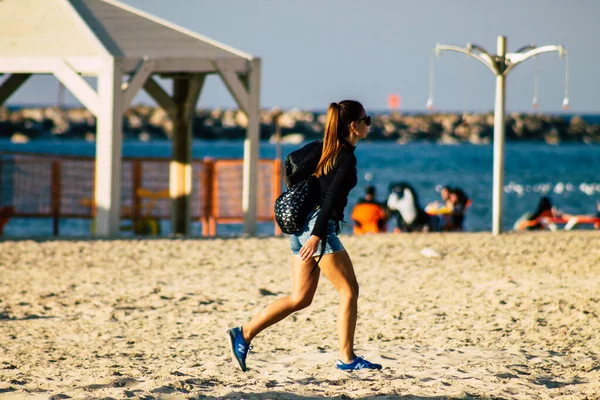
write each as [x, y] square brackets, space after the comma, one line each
[560, 188]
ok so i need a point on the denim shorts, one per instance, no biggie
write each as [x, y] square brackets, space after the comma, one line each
[332, 245]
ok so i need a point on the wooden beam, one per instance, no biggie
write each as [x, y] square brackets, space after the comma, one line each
[76, 85]
[159, 95]
[10, 85]
[234, 85]
[251, 147]
[138, 79]
[44, 65]
[195, 89]
[189, 65]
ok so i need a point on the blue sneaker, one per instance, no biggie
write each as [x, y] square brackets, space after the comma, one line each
[239, 347]
[356, 364]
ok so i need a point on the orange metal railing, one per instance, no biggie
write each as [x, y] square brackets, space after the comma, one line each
[63, 187]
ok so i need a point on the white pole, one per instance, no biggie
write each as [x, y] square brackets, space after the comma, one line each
[499, 139]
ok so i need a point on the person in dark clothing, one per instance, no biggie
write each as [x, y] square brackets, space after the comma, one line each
[369, 196]
[544, 209]
[540, 218]
[347, 123]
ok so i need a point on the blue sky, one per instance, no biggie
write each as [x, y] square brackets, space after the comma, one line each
[318, 51]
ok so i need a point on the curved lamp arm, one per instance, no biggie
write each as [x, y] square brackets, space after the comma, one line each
[478, 48]
[484, 54]
[513, 59]
[526, 48]
[480, 55]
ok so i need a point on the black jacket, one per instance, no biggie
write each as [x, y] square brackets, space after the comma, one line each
[334, 189]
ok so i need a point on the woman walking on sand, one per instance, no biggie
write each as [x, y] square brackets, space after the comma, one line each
[347, 123]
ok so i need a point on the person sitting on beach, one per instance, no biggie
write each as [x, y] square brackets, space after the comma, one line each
[403, 204]
[368, 216]
[443, 207]
[574, 220]
[539, 219]
[458, 202]
[347, 123]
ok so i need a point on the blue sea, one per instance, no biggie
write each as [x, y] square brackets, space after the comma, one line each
[568, 173]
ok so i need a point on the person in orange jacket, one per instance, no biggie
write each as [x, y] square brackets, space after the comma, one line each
[369, 216]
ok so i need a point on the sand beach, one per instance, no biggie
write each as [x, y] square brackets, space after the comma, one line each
[450, 316]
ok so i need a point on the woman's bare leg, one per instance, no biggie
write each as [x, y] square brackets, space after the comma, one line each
[337, 267]
[305, 280]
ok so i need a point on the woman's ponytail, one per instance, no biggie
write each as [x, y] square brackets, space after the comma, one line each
[339, 117]
[331, 142]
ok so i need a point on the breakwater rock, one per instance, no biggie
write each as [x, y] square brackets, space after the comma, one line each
[152, 123]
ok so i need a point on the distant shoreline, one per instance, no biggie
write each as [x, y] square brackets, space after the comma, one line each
[148, 123]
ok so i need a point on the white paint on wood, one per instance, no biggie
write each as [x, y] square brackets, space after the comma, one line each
[43, 65]
[76, 85]
[180, 182]
[109, 139]
[251, 150]
[81, 16]
[46, 28]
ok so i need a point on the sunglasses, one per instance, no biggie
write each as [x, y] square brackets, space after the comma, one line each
[367, 120]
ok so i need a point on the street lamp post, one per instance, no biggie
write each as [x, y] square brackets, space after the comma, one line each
[500, 64]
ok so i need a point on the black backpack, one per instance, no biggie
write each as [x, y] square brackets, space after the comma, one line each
[302, 163]
[293, 205]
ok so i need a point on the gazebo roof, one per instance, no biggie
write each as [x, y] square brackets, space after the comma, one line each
[98, 28]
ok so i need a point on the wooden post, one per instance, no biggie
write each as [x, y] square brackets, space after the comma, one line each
[206, 184]
[1, 161]
[180, 168]
[186, 91]
[55, 196]
[136, 183]
[251, 149]
[5, 211]
[212, 200]
[109, 140]
[5, 214]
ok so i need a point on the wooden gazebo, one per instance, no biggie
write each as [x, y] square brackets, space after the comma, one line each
[111, 41]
